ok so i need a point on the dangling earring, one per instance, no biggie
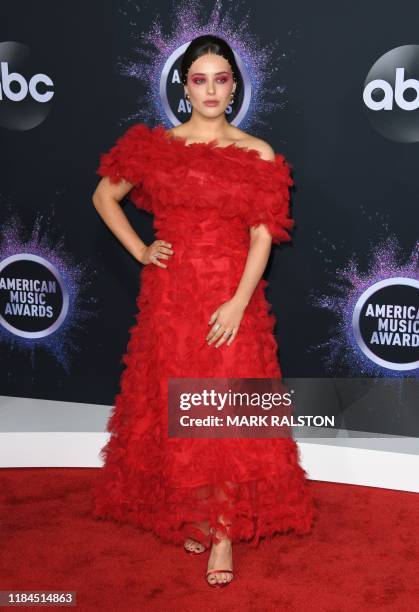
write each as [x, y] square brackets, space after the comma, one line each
[232, 94]
[187, 96]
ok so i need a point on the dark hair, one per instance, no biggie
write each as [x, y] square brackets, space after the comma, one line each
[209, 43]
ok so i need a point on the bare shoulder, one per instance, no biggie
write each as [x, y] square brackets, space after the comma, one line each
[252, 142]
[175, 131]
[263, 147]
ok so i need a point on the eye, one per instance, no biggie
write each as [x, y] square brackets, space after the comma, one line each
[221, 80]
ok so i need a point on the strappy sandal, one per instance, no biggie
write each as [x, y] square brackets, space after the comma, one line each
[218, 584]
[194, 552]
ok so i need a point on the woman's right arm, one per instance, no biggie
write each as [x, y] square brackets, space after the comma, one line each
[106, 199]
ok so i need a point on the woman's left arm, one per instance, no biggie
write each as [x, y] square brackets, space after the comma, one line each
[229, 315]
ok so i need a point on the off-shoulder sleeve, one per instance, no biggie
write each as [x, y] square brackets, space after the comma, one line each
[269, 201]
[129, 159]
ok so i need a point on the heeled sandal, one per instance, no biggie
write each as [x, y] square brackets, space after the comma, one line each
[218, 584]
[194, 552]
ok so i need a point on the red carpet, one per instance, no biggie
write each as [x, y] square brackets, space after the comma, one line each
[362, 554]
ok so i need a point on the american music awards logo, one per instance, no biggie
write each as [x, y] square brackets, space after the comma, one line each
[376, 314]
[45, 296]
[158, 57]
[385, 323]
[33, 297]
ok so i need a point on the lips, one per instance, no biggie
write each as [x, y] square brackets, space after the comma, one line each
[211, 102]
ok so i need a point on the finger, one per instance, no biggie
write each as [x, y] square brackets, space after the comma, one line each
[223, 338]
[156, 262]
[217, 335]
[163, 249]
[162, 255]
[214, 329]
[213, 317]
[233, 335]
[163, 246]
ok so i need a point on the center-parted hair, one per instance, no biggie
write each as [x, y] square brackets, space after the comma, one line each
[209, 43]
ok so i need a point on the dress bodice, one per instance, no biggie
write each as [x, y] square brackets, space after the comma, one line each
[214, 193]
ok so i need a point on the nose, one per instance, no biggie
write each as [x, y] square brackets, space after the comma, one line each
[211, 88]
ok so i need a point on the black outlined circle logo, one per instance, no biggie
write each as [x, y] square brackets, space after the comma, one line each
[33, 298]
[26, 93]
[385, 323]
[391, 94]
[178, 109]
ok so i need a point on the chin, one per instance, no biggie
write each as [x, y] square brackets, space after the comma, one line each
[210, 112]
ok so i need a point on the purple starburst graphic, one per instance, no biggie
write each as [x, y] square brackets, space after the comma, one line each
[188, 20]
[349, 284]
[76, 278]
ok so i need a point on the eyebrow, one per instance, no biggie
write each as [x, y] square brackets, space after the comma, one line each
[202, 73]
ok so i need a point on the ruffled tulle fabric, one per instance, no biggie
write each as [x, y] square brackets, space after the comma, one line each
[128, 159]
[204, 199]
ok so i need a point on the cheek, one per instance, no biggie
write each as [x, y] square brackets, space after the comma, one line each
[197, 89]
[225, 88]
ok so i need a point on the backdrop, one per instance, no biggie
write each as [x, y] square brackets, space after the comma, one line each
[333, 86]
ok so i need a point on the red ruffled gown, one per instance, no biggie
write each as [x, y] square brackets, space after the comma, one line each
[204, 197]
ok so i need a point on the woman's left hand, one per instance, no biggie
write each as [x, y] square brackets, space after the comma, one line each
[224, 320]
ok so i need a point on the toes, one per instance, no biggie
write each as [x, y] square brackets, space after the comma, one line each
[219, 578]
[193, 546]
[189, 545]
[224, 578]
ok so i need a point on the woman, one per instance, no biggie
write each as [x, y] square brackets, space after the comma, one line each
[220, 197]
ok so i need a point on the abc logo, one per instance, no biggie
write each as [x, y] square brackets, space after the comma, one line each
[391, 94]
[25, 90]
[400, 87]
[6, 78]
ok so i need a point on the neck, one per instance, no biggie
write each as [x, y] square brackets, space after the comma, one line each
[207, 128]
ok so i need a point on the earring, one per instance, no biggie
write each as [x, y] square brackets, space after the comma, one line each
[187, 96]
[232, 93]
